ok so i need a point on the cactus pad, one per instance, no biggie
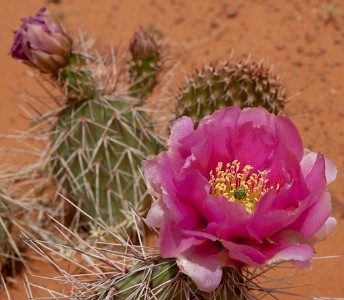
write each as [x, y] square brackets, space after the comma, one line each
[96, 153]
[161, 279]
[5, 228]
[243, 84]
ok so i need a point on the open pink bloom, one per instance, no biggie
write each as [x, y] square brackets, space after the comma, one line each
[42, 42]
[238, 191]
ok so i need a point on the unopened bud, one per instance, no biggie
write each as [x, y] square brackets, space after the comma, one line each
[143, 46]
[42, 42]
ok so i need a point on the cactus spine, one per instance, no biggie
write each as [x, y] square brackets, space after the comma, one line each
[120, 270]
[97, 148]
[243, 84]
[11, 248]
[5, 228]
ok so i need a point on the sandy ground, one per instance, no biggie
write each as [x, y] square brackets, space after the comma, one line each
[303, 40]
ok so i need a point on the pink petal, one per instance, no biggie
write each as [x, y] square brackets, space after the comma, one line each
[41, 40]
[231, 221]
[202, 266]
[327, 229]
[182, 127]
[263, 225]
[283, 164]
[201, 234]
[173, 242]
[152, 176]
[287, 237]
[299, 255]
[294, 141]
[212, 141]
[257, 117]
[259, 141]
[185, 199]
[315, 180]
[313, 218]
[244, 253]
[41, 60]
[156, 215]
[309, 160]
[53, 24]
[331, 170]
[223, 118]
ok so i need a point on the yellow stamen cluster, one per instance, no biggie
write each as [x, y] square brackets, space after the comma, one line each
[238, 185]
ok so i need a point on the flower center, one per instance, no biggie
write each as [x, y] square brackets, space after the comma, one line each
[237, 185]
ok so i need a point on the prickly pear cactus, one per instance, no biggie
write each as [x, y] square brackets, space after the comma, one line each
[75, 79]
[144, 65]
[161, 279]
[154, 274]
[5, 228]
[244, 84]
[87, 74]
[99, 137]
[11, 248]
[96, 152]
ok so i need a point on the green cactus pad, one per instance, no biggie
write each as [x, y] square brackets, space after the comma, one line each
[154, 273]
[143, 74]
[243, 84]
[96, 152]
[161, 279]
[5, 228]
[75, 79]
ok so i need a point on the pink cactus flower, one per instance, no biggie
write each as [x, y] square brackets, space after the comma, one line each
[241, 191]
[42, 42]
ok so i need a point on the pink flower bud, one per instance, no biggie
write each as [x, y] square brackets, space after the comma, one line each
[42, 42]
[143, 46]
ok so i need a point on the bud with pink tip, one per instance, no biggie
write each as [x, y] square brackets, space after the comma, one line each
[143, 46]
[42, 42]
[145, 64]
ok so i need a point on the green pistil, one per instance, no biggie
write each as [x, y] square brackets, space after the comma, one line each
[240, 194]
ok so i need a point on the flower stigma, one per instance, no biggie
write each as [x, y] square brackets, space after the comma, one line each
[238, 185]
[240, 193]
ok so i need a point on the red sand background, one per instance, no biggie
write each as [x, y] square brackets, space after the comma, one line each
[304, 40]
